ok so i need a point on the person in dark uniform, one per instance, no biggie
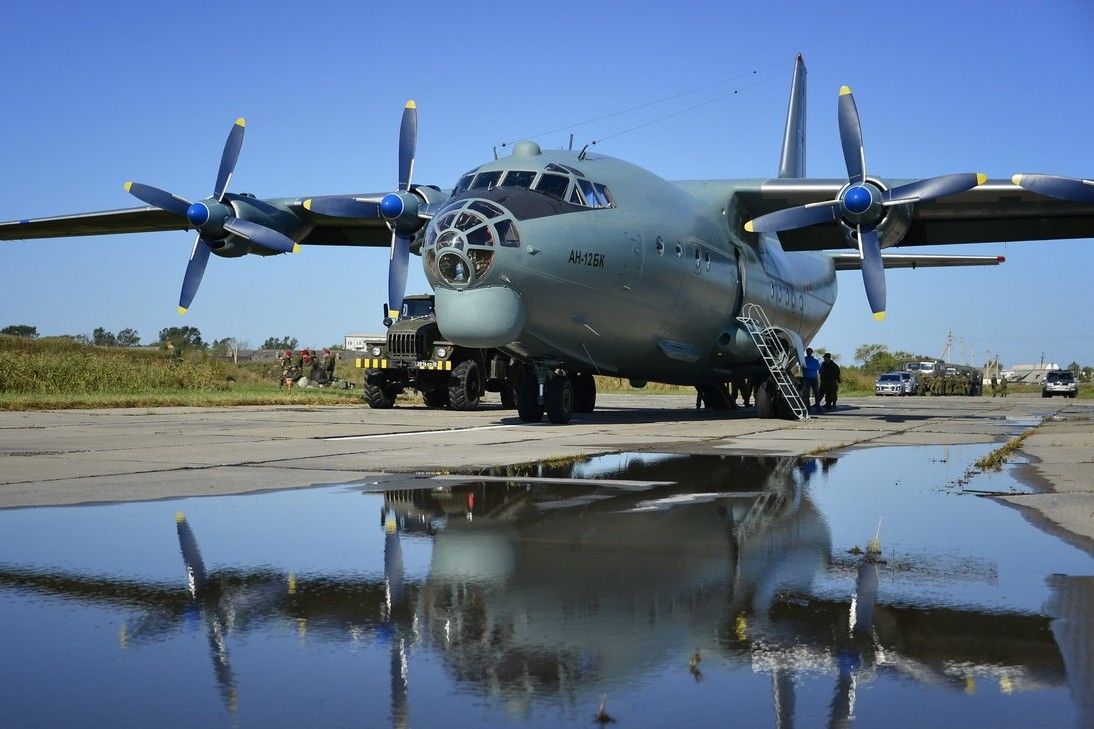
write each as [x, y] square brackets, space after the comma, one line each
[326, 367]
[830, 377]
[744, 387]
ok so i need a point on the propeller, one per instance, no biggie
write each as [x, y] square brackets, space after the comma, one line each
[1065, 188]
[399, 209]
[212, 218]
[862, 204]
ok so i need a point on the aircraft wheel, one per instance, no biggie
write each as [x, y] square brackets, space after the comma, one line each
[463, 392]
[378, 393]
[526, 390]
[559, 399]
[765, 401]
[436, 398]
[584, 392]
[508, 396]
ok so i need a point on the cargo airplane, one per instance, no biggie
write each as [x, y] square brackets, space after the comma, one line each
[577, 264]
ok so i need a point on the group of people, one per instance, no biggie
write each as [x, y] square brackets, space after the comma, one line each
[306, 367]
[998, 386]
[821, 380]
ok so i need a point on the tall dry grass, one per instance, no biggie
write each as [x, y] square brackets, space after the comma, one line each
[58, 365]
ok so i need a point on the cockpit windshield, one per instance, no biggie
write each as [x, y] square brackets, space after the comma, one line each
[416, 307]
[559, 181]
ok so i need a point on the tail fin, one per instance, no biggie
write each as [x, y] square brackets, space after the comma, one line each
[793, 158]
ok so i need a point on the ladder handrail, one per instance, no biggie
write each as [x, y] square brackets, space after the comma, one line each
[774, 355]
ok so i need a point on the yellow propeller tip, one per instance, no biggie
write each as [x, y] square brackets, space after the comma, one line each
[179, 517]
[307, 204]
[393, 313]
[1017, 180]
[981, 178]
[241, 122]
[748, 227]
[844, 90]
[295, 247]
[182, 310]
[411, 105]
[127, 186]
[879, 315]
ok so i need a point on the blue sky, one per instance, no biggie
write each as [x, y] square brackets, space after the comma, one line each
[114, 91]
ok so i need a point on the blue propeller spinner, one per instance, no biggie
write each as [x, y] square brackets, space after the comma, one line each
[398, 209]
[862, 204]
[213, 219]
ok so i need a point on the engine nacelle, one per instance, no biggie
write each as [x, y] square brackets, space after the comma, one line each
[891, 228]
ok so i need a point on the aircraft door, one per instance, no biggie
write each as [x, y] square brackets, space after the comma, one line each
[633, 260]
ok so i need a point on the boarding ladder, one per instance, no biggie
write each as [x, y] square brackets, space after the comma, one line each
[775, 356]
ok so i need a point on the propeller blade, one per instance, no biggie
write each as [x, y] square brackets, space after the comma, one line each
[342, 206]
[934, 187]
[260, 235]
[228, 158]
[873, 270]
[1065, 188]
[792, 218]
[191, 556]
[408, 142]
[195, 269]
[396, 272]
[850, 134]
[157, 197]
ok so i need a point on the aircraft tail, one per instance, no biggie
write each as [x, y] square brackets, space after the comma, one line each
[792, 163]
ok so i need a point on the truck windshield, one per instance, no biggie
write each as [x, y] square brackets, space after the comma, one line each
[416, 307]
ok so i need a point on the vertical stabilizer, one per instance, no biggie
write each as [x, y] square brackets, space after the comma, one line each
[792, 163]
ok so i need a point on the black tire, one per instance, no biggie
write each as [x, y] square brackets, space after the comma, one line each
[436, 398]
[559, 398]
[526, 390]
[584, 392]
[465, 387]
[378, 393]
[765, 403]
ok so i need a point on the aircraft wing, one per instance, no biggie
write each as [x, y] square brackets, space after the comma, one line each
[997, 211]
[367, 230]
[852, 262]
[107, 222]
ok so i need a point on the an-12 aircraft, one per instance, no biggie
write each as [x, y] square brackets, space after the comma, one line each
[576, 263]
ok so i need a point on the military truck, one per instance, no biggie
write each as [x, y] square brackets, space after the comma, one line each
[414, 355]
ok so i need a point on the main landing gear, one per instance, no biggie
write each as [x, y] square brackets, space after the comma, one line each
[539, 389]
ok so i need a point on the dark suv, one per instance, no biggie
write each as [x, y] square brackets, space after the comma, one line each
[1060, 382]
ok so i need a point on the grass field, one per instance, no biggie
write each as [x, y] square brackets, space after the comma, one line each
[58, 373]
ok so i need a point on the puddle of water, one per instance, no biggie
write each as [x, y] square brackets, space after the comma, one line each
[728, 595]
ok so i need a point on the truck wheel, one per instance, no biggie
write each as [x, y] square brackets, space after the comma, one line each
[559, 398]
[379, 394]
[526, 390]
[436, 398]
[466, 386]
[584, 392]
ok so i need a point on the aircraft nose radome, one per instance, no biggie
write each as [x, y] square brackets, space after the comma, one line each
[492, 316]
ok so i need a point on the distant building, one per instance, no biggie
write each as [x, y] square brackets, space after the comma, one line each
[358, 342]
[1033, 374]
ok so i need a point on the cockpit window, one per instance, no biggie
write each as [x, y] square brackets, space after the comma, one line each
[564, 169]
[603, 196]
[519, 178]
[554, 185]
[508, 233]
[486, 180]
[463, 184]
[575, 196]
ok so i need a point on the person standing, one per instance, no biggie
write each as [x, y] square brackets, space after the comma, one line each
[742, 386]
[994, 385]
[1002, 387]
[810, 378]
[830, 377]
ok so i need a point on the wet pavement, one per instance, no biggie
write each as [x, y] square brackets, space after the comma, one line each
[677, 590]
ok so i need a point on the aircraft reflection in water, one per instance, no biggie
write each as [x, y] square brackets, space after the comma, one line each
[547, 594]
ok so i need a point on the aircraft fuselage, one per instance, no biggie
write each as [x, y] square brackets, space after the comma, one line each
[647, 287]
